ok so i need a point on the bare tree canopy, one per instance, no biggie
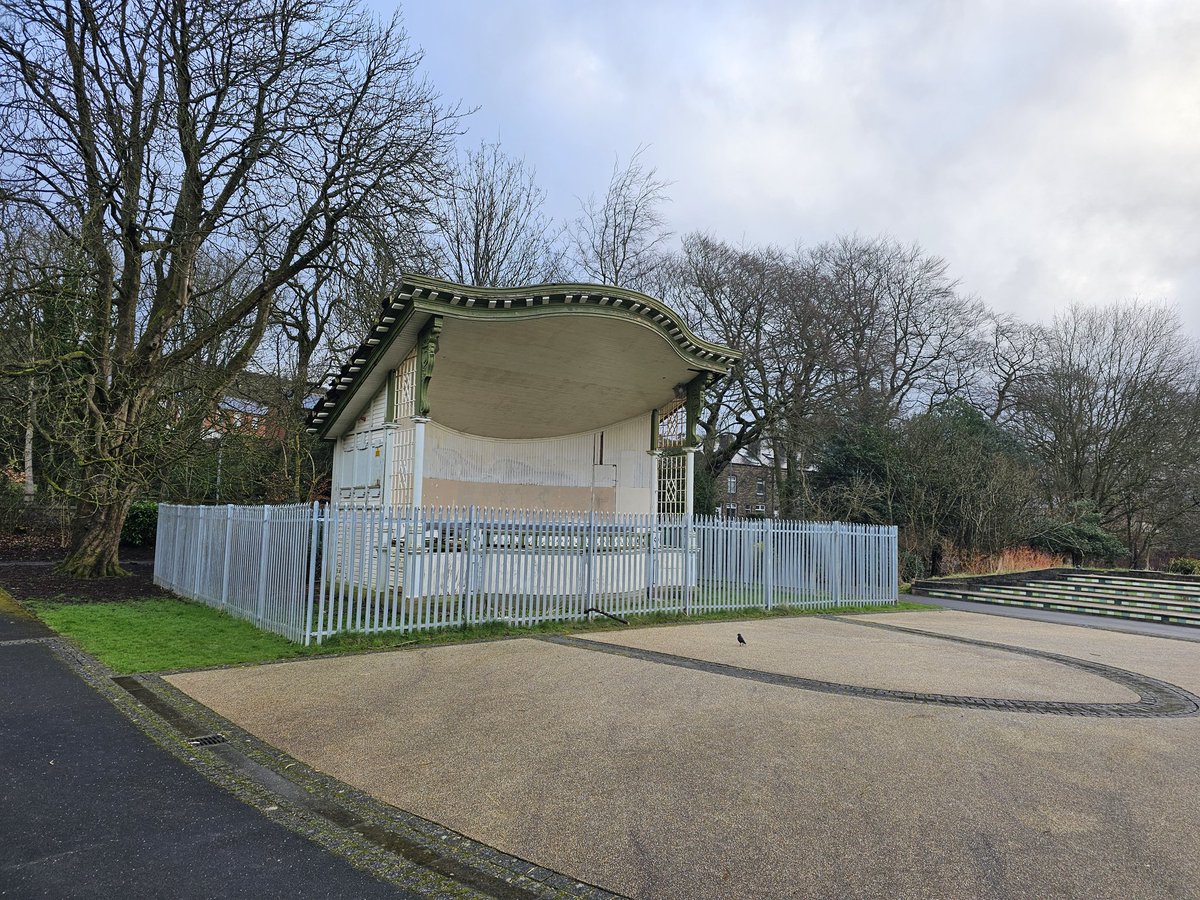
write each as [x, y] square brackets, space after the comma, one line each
[207, 199]
[201, 156]
[904, 336]
[618, 239]
[489, 231]
[761, 301]
[1114, 411]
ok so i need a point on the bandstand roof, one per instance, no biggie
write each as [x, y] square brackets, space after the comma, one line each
[527, 362]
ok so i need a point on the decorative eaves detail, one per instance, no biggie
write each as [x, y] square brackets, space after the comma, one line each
[431, 293]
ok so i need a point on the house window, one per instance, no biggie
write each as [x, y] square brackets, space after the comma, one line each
[732, 482]
[760, 487]
[760, 508]
[731, 509]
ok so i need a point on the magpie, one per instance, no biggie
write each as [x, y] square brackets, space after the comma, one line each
[741, 640]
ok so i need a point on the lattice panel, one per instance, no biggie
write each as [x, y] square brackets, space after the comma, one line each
[406, 388]
[402, 464]
[672, 428]
[672, 484]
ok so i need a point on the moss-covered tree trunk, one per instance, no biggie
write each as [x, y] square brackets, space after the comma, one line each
[95, 549]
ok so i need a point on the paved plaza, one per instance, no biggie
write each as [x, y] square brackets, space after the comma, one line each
[822, 758]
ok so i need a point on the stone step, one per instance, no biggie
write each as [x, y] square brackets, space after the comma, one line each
[1052, 594]
[1098, 593]
[1138, 584]
[1063, 605]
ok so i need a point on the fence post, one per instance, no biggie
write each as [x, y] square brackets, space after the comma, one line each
[176, 553]
[839, 562]
[159, 530]
[768, 564]
[469, 612]
[225, 561]
[894, 553]
[330, 552]
[591, 562]
[651, 541]
[313, 544]
[264, 552]
[198, 574]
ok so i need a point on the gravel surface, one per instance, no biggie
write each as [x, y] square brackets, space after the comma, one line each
[657, 781]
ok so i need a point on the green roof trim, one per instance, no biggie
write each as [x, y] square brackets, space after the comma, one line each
[419, 293]
[526, 300]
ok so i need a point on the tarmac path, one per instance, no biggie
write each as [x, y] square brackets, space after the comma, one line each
[91, 807]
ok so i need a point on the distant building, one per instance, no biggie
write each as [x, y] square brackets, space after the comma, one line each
[747, 488]
[256, 405]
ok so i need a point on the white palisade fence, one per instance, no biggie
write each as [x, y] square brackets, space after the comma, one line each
[309, 572]
[254, 562]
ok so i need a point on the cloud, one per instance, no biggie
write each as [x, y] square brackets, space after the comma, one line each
[1050, 151]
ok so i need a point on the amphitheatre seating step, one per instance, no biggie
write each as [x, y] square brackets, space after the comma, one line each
[1100, 592]
[1037, 591]
[1138, 585]
[1132, 587]
[1123, 611]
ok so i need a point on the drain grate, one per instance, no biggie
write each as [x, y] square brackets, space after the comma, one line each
[207, 740]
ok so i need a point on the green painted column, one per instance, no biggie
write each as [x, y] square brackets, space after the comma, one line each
[693, 403]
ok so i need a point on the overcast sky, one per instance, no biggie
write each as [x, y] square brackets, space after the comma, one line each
[1049, 150]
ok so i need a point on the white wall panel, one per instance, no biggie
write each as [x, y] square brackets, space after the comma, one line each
[572, 461]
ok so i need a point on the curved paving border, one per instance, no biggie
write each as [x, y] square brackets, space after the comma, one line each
[1156, 699]
[337, 817]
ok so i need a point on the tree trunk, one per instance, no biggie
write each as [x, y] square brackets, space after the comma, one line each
[96, 547]
[30, 483]
[935, 560]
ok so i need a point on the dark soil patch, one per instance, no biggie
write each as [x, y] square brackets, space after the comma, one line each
[38, 581]
[48, 546]
[30, 545]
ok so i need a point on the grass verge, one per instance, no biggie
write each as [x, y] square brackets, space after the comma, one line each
[161, 635]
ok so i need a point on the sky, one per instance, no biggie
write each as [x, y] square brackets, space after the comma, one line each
[1049, 151]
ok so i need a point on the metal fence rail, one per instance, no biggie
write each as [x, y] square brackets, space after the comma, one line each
[311, 572]
[254, 562]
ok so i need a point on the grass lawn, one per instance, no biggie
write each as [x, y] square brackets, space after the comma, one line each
[151, 635]
[158, 635]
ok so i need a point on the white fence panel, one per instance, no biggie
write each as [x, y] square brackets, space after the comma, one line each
[251, 561]
[309, 572]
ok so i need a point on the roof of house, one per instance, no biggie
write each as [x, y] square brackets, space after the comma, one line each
[527, 362]
[240, 404]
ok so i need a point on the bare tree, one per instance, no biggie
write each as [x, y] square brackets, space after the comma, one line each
[760, 301]
[490, 230]
[617, 240]
[1113, 413]
[1007, 353]
[38, 285]
[156, 133]
[905, 339]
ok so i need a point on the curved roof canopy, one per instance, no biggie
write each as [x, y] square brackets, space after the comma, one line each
[527, 362]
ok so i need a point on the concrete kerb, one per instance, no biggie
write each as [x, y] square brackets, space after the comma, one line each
[349, 823]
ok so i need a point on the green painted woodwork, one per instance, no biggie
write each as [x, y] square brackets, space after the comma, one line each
[374, 354]
[391, 396]
[427, 347]
[542, 298]
[419, 296]
[693, 404]
[654, 420]
[463, 312]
